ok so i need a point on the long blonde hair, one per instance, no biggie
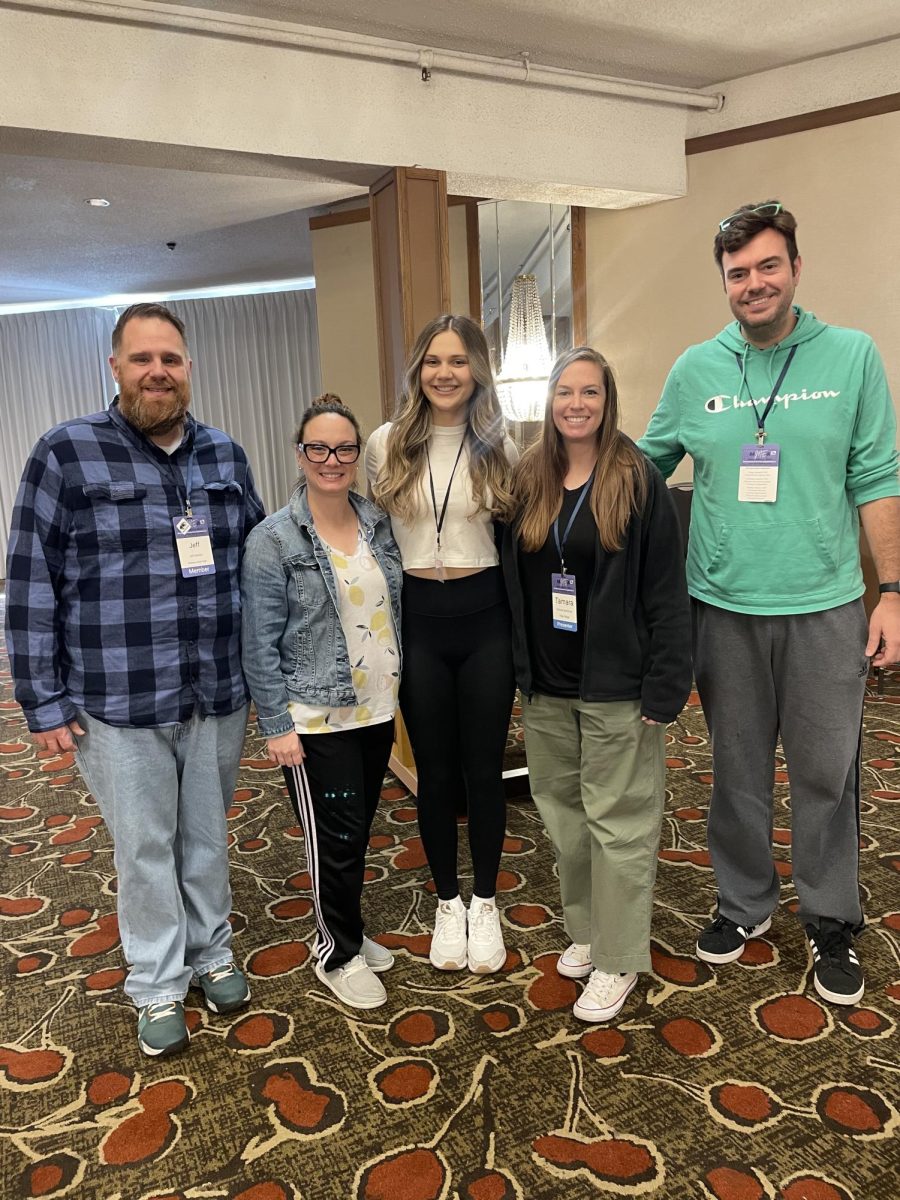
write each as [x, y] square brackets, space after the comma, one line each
[620, 477]
[396, 487]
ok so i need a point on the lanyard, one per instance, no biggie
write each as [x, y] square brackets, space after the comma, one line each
[761, 420]
[175, 476]
[560, 546]
[439, 520]
[188, 511]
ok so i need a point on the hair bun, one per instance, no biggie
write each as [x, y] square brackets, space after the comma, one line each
[327, 398]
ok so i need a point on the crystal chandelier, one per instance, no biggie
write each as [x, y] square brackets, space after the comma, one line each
[522, 382]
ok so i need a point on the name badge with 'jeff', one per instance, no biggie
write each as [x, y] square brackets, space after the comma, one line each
[562, 595]
[758, 479]
[194, 547]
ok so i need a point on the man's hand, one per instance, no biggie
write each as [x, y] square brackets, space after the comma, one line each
[883, 646]
[59, 740]
[287, 750]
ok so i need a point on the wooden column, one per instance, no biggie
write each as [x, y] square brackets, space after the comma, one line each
[411, 248]
[410, 244]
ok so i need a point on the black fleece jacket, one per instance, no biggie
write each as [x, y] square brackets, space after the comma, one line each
[637, 637]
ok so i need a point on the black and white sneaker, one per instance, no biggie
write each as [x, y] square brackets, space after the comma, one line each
[837, 975]
[722, 941]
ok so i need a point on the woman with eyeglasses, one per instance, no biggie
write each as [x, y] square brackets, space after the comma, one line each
[602, 642]
[320, 589]
[442, 470]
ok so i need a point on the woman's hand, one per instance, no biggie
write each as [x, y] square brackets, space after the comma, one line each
[650, 721]
[286, 750]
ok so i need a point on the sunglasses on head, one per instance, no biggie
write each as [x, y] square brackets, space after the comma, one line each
[771, 209]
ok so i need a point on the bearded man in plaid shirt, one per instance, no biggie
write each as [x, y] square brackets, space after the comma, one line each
[123, 629]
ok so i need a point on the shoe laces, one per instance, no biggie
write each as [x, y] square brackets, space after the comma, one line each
[218, 974]
[449, 914]
[484, 918]
[833, 940]
[602, 986]
[161, 1011]
[354, 966]
[721, 923]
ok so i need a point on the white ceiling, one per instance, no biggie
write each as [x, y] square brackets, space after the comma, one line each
[684, 43]
[240, 222]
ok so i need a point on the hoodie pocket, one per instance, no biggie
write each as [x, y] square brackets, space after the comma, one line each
[765, 561]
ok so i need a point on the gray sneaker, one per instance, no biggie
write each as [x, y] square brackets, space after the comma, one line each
[354, 983]
[378, 958]
[161, 1029]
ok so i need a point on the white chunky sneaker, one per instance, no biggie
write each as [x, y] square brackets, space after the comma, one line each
[378, 958]
[448, 942]
[354, 984]
[603, 996]
[486, 950]
[575, 963]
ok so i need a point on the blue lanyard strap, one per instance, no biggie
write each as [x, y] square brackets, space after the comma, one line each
[761, 420]
[561, 545]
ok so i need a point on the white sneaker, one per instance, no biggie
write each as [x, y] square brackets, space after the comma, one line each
[378, 958]
[354, 984]
[603, 996]
[575, 963]
[448, 942]
[486, 950]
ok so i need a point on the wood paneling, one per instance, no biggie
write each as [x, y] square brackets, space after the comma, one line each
[796, 124]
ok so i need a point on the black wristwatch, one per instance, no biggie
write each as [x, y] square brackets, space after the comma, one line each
[889, 587]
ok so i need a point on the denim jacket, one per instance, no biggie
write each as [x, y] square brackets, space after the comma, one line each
[293, 645]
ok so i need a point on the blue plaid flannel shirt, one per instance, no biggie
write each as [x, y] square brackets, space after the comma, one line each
[99, 616]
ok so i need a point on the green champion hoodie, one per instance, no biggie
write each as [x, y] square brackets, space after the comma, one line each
[834, 421]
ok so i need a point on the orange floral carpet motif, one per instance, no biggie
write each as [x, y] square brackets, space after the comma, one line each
[729, 1084]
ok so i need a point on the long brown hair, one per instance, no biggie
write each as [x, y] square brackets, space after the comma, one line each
[620, 477]
[396, 487]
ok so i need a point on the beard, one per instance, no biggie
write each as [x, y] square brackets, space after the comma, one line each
[155, 418]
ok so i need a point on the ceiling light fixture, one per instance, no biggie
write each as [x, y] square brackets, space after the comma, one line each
[522, 382]
[97, 202]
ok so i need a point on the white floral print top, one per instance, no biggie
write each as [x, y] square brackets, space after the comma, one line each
[365, 611]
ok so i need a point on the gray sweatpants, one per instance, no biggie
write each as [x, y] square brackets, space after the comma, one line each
[801, 677]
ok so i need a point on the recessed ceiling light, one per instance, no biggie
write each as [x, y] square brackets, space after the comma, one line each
[98, 202]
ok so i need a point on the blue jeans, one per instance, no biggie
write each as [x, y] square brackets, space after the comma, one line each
[164, 792]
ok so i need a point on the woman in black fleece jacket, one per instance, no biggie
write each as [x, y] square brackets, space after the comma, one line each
[594, 567]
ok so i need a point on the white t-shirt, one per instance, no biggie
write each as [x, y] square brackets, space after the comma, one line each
[364, 608]
[467, 536]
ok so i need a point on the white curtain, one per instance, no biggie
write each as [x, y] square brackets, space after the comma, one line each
[256, 367]
[53, 365]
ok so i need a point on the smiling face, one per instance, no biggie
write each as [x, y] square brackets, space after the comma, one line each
[760, 282]
[446, 379]
[578, 403]
[152, 370]
[331, 477]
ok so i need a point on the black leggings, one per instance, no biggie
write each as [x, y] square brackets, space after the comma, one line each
[456, 694]
[335, 794]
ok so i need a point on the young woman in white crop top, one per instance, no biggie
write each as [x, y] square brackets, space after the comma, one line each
[442, 471]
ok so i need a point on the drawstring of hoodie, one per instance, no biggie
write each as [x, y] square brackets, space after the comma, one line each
[761, 420]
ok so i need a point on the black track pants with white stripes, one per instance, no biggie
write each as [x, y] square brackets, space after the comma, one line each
[335, 794]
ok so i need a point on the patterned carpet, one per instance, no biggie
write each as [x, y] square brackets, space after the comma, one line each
[734, 1084]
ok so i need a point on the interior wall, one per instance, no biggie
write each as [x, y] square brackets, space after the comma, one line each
[652, 285]
[345, 299]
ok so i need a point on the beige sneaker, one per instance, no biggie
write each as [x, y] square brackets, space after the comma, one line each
[448, 942]
[378, 958]
[603, 996]
[354, 983]
[486, 951]
[575, 963]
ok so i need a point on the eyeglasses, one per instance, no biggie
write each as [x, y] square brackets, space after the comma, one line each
[762, 210]
[318, 452]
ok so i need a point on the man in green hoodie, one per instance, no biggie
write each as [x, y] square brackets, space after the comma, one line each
[792, 431]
